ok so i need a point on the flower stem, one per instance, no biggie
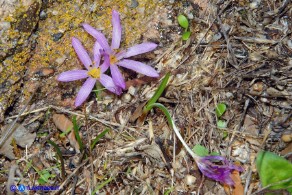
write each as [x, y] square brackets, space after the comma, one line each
[175, 129]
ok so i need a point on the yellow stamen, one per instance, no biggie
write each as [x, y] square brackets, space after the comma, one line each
[94, 73]
[113, 59]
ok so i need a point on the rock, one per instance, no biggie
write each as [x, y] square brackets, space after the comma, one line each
[190, 180]
[57, 36]
[18, 21]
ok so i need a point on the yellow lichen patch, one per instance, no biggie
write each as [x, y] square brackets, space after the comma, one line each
[94, 73]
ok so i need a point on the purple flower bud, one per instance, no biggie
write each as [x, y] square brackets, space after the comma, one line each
[217, 168]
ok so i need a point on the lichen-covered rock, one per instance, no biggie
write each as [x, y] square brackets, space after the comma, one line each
[18, 20]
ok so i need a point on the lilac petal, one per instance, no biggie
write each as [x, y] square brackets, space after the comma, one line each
[106, 64]
[72, 75]
[98, 36]
[117, 30]
[117, 76]
[84, 91]
[139, 49]
[96, 53]
[139, 67]
[109, 84]
[81, 52]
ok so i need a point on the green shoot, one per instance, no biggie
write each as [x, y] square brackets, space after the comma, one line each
[76, 132]
[220, 110]
[62, 135]
[221, 124]
[183, 22]
[59, 153]
[167, 192]
[102, 184]
[175, 129]
[157, 94]
[98, 90]
[45, 175]
[101, 135]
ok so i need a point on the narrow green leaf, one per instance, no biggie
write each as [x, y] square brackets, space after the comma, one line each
[220, 109]
[62, 135]
[273, 169]
[183, 21]
[59, 153]
[76, 133]
[221, 124]
[101, 135]
[98, 90]
[167, 192]
[200, 150]
[157, 93]
[102, 184]
[186, 35]
[44, 176]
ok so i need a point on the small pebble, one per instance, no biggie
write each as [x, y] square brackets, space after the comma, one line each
[61, 59]
[57, 36]
[43, 15]
[45, 72]
[190, 180]
[287, 138]
[255, 56]
[126, 97]
[289, 43]
[134, 4]
[258, 87]
[132, 90]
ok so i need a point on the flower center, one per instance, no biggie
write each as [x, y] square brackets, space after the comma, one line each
[113, 59]
[94, 73]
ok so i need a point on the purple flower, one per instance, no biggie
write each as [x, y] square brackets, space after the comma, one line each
[117, 58]
[210, 167]
[93, 73]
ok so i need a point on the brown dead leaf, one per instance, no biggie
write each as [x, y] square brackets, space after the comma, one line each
[22, 138]
[64, 124]
[238, 187]
[138, 112]
[140, 81]
[203, 4]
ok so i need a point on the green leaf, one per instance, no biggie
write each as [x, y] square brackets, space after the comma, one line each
[272, 169]
[220, 109]
[44, 177]
[186, 35]
[183, 21]
[225, 134]
[221, 124]
[200, 150]
[214, 154]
